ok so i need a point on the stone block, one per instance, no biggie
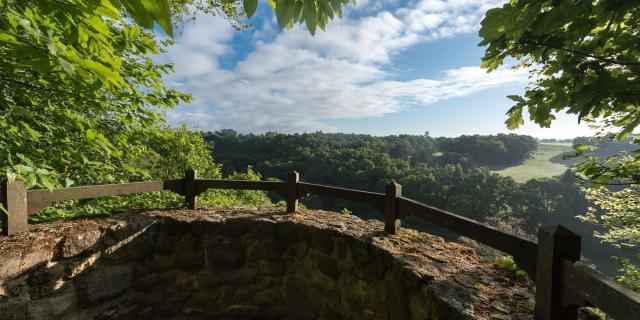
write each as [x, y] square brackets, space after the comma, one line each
[171, 305]
[204, 228]
[15, 263]
[104, 282]
[81, 243]
[275, 266]
[160, 262]
[52, 307]
[13, 310]
[328, 266]
[243, 311]
[297, 249]
[322, 242]
[78, 266]
[234, 228]
[266, 248]
[138, 245]
[186, 281]
[165, 241]
[133, 226]
[189, 253]
[268, 297]
[297, 295]
[262, 228]
[227, 256]
[291, 232]
[395, 296]
[212, 279]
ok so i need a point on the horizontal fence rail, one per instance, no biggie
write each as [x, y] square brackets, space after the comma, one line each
[40, 199]
[584, 286]
[522, 250]
[563, 283]
[376, 200]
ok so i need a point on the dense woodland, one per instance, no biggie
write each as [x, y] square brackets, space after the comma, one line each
[450, 173]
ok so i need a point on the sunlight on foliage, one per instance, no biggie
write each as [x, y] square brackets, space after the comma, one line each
[621, 217]
[630, 275]
[619, 213]
[583, 59]
[82, 101]
[222, 198]
[79, 90]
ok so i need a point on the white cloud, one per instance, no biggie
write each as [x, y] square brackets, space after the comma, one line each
[293, 82]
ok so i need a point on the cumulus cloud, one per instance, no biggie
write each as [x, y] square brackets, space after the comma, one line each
[293, 82]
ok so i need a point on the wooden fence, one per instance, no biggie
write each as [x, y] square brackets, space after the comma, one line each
[563, 283]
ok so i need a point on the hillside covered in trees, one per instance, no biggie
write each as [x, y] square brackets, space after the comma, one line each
[450, 173]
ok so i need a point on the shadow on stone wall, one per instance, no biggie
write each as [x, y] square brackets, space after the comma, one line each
[251, 267]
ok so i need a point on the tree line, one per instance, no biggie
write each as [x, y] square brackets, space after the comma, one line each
[451, 179]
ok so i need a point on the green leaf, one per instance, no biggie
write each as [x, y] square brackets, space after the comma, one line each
[517, 98]
[107, 9]
[250, 7]
[136, 9]
[309, 12]
[580, 147]
[284, 12]
[161, 13]
[515, 119]
[67, 66]
[497, 22]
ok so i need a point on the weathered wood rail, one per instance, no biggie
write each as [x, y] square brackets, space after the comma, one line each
[563, 282]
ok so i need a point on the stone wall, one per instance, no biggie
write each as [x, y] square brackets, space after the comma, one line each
[247, 264]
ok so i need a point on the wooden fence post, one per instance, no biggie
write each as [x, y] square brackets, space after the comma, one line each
[292, 191]
[190, 198]
[14, 201]
[555, 243]
[391, 219]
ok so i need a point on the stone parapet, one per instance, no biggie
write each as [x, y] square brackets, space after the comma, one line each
[239, 263]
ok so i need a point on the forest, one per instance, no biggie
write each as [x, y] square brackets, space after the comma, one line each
[450, 173]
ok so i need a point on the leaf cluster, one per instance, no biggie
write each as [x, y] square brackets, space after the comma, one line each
[314, 13]
[82, 101]
[584, 59]
[583, 56]
[79, 91]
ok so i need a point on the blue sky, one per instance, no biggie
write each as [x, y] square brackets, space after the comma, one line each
[387, 67]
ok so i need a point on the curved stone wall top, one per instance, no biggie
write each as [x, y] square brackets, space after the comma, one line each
[96, 267]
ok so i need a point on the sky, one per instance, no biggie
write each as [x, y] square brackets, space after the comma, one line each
[386, 67]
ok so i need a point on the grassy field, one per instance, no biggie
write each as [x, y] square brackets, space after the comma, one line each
[540, 166]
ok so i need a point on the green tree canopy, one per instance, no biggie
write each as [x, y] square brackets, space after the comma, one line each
[80, 93]
[584, 59]
[81, 98]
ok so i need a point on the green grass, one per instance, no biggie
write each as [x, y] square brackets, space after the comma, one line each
[540, 166]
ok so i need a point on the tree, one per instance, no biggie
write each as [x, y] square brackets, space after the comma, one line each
[79, 89]
[82, 101]
[79, 92]
[501, 149]
[621, 220]
[583, 58]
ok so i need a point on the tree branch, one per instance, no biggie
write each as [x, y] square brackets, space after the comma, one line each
[581, 53]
